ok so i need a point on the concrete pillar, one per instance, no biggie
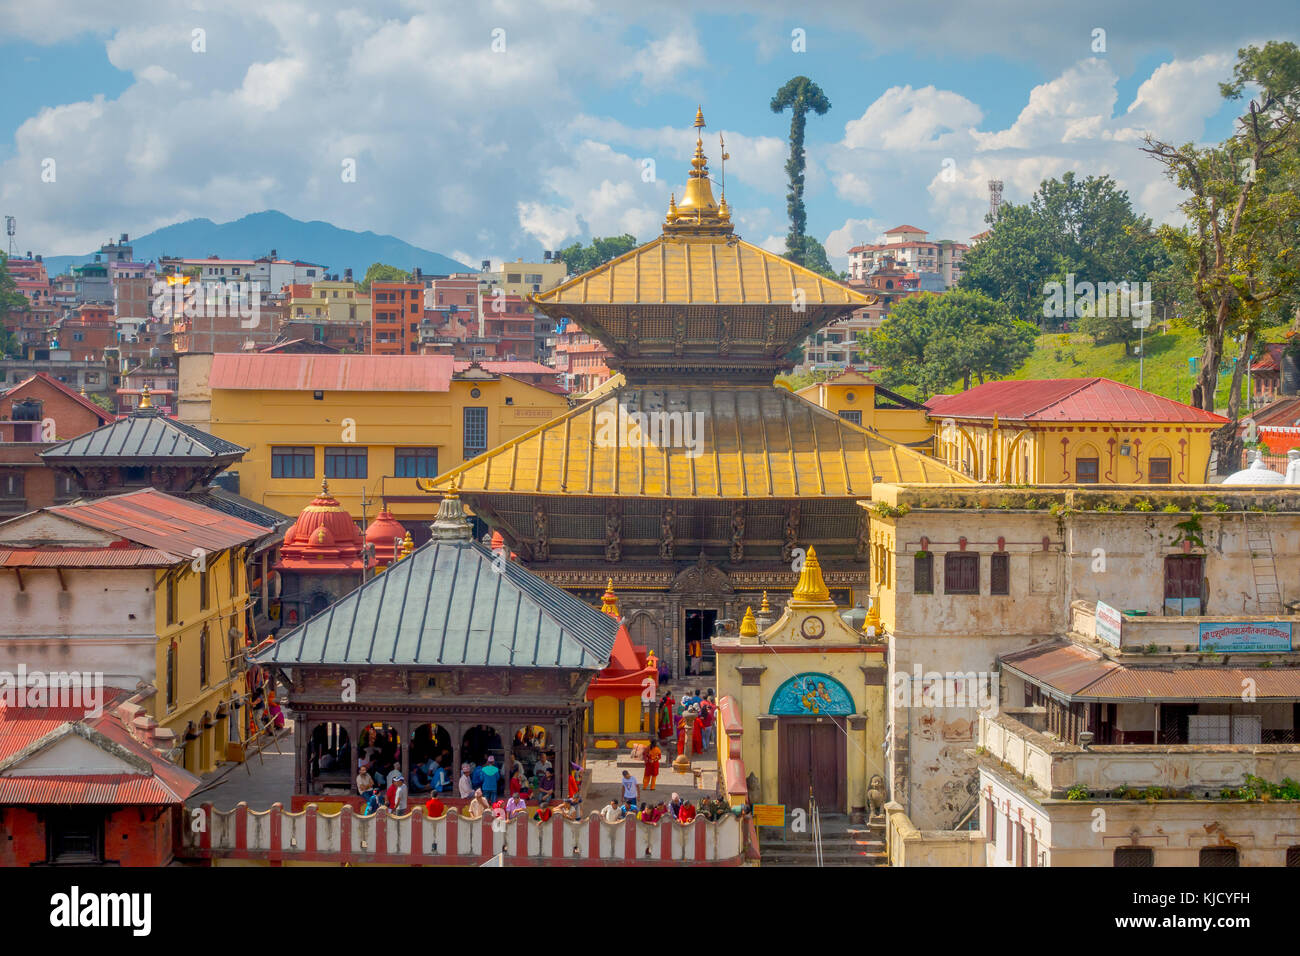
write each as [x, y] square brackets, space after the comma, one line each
[856, 727]
[768, 764]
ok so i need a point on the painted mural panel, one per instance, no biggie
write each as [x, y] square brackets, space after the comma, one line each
[811, 694]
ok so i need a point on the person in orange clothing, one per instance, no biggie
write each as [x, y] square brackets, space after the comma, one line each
[652, 757]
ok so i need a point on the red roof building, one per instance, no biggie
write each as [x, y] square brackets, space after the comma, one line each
[322, 558]
[617, 691]
[384, 535]
[79, 787]
[1067, 400]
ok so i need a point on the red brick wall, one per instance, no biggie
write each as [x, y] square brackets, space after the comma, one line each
[133, 836]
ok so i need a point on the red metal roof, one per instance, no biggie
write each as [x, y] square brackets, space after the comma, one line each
[56, 556]
[1067, 400]
[508, 367]
[20, 727]
[1079, 673]
[333, 373]
[157, 520]
[1284, 412]
[906, 228]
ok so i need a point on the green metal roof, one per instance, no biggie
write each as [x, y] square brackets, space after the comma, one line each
[147, 434]
[446, 606]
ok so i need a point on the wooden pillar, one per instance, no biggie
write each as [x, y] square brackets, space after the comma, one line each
[404, 749]
[354, 737]
[561, 763]
[454, 730]
[299, 754]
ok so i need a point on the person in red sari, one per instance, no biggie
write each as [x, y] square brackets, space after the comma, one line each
[652, 757]
[666, 709]
[687, 813]
[697, 737]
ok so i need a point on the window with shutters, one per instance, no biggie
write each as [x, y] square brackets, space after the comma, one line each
[1218, 856]
[961, 573]
[1159, 470]
[1134, 856]
[1085, 471]
[203, 656]
[1000, 573]
[1184, 577]
[923, 573]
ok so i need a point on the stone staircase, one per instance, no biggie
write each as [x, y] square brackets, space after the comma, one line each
[843, 844]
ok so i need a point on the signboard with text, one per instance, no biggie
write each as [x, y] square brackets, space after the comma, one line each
[1246, 636]
[769, 814]
[1109, 624]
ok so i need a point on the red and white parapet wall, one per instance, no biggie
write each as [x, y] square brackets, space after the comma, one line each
[277, 836]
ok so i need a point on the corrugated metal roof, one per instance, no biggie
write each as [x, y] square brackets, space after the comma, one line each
[332, 373]
[446, 605]
[147, 434]
[758, 442]
[99, 788]
[237, 506]
[1078, 673]
[1067, 400]
[700, 270]
[157, 520]
[56, 556]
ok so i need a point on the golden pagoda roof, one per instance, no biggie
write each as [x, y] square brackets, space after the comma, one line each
[811, 591]
[700, 270]
[757, 441]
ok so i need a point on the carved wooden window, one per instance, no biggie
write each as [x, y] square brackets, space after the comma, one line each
[1134, 856]
[923, 573]
[1000, 573]
[1086, 471]
[1159, 470]
[961, 573]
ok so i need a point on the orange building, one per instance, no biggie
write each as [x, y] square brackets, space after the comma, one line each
[397, 308]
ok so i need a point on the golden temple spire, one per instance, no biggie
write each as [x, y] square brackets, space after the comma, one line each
[811, 591]
[698, 212]
[609, 601]
[748, 626]
[408, 545]
[324, 487]
[764, 608]
[145, 400]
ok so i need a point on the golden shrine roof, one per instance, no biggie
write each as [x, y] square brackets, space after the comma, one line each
[754, 441]
[700, 270]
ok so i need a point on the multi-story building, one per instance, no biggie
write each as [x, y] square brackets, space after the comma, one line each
[908, 246]
[1081, 430]
[580, 359]
[370, 424]
[524, 279]
[1158, 617]
[176, 572]
[397, 308]
[99, 377]
[858, 399]
[271, 272]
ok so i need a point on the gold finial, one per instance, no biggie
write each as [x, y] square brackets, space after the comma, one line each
[764, 608]
[408, 545]
[699, 116]
[698, 213]
[871, 625]
[609, 601]
[748, 626]
[672, 207]
[324, 487]
[145, 400]
[811, 591]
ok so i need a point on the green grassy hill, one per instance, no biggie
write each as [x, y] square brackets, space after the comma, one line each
[1167, 371]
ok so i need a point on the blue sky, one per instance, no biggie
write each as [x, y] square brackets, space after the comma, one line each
[483, 149]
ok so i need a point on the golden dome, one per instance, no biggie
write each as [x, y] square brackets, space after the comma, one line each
[698, 211]
[609, 601]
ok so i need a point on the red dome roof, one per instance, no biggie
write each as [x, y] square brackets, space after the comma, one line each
[324, 537]
[381, 533]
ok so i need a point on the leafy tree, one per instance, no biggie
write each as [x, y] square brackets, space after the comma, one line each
[103, 401]
[580, 258]
[1239, 246]
[799, 96]
[931, 340]
[11, 300]
[379, 272]
[814, 258]
[1084, 228]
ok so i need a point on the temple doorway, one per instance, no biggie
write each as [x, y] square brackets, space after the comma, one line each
[699, 627]
[812, 762]
[430, 749]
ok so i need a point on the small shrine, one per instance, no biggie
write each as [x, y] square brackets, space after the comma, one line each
[623, 695]
[322, 559]
[385, 536]
[808, 691]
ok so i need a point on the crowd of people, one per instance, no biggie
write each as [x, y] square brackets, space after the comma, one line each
[709, 808]
[672, 716]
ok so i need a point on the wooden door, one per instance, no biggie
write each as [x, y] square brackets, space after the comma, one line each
[812, 758]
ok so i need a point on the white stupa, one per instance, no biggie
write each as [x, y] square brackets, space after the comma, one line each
[1260, 474]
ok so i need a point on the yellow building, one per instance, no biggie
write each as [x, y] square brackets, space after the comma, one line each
[856, 398]
[803, 699]
[371, 424]
[331, 300]
[153, 589]
[524, 278]
[1072, 431]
